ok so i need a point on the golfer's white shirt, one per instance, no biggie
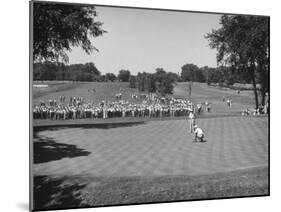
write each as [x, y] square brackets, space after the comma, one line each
[199, 132]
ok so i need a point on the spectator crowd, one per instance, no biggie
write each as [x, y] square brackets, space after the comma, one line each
[78, 108]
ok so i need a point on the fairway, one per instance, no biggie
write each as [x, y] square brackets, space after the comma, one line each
[213, 94]
[107, 90]
[103, 91]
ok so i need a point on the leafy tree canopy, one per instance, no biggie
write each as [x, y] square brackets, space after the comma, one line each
[124, 75]
[191, 72]
[243, 42]
[161, 82]
[58, 27]
[241, 39]
[110, 76]
[60, 71]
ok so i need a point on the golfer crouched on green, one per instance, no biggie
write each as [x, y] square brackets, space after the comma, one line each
[198, 134]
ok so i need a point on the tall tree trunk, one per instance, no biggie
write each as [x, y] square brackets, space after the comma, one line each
[252, 70]
[264, 82]
[256, 93]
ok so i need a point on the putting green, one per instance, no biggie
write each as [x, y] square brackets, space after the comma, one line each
[156, 148]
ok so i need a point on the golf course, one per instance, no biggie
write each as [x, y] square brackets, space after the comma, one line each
[96, 162]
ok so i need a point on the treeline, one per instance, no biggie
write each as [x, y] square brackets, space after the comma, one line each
[144, 81]
[75, 72]
[224, 76]
[160, 82]
[62, 72]
[163, 82]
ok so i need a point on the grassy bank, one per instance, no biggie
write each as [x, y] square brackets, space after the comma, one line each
[83, 191]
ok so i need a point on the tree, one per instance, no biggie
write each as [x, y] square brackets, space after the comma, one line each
[200, 76]
[188, 72]
[215, 76]
[124, 75]
[160, 81]
[160, 71]
[132, 81]
[60, 71]
[164, 81]
[243, 42]
[205, 71]
[140, 81]
[110, 76]
[84, 72]
[45, 71]
[58, 27]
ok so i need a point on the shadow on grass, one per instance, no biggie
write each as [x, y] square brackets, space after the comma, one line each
[52, 125]
[56, 193]
[46, 149]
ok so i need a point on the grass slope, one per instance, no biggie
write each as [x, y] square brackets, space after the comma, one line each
[82, 191]
[103, 91]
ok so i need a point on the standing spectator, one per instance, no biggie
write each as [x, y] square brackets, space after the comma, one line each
[191, 122]
[228, 102]
[199, 108]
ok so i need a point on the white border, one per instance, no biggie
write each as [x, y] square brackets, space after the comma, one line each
[14, 97]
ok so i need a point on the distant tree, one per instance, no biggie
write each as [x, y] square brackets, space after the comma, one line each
[160, 82]
[124, 75]
[62, 72]
[229, 76]
[103, 78]
[175, 76]
[188, 72]
[164, 81]
[59, 71]
[199, 76]
[84, 72]
[133, 81]
[110, 76]
[140, 81]
[91, 68]
[243, 42]
[214, 76]
[38, 70]
[58, 27]
[222, 75]
[205, 71]
[45, 71]
[160, 71]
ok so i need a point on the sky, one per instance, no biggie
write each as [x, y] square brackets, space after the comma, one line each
[143, 40]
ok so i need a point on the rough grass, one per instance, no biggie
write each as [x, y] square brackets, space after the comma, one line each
[85, 191]
[173, 188]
